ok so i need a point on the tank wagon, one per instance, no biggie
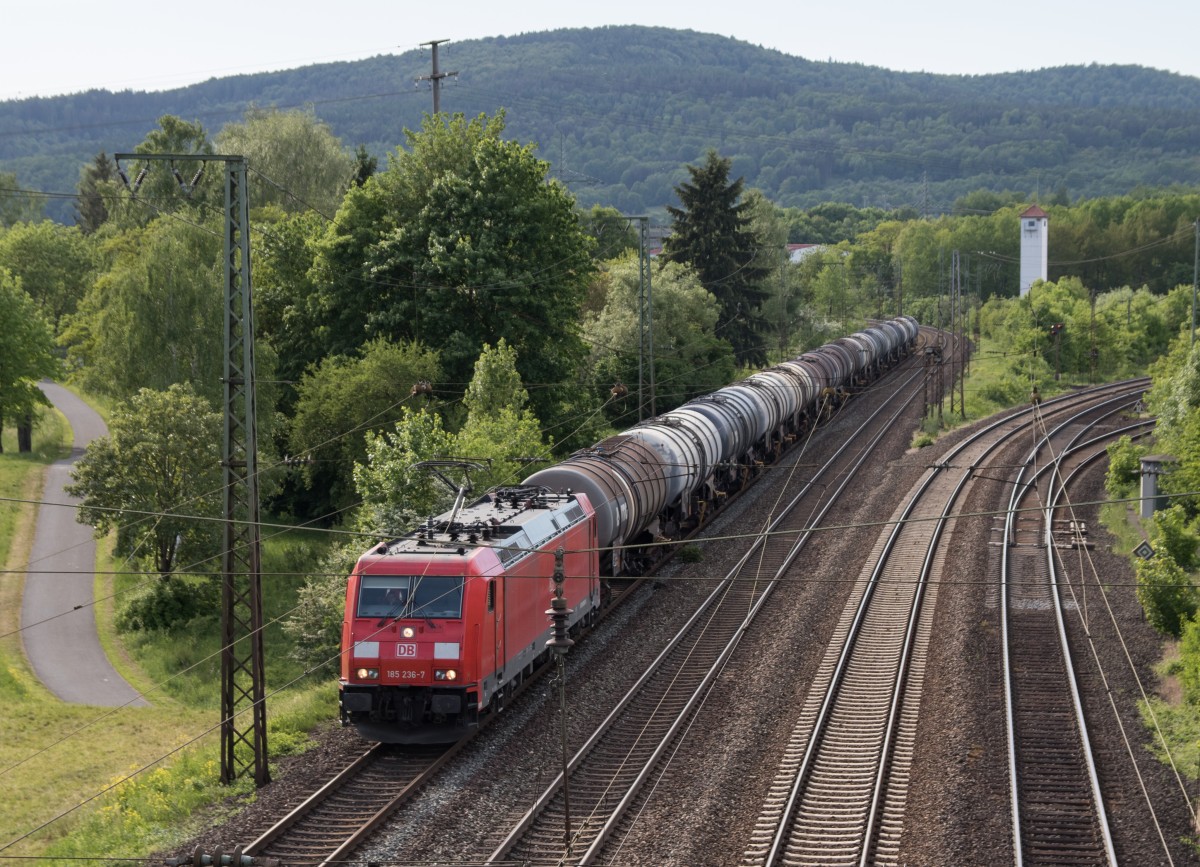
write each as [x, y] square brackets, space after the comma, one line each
[444, 623]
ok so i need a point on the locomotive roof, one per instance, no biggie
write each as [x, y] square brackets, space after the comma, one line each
[513, 521]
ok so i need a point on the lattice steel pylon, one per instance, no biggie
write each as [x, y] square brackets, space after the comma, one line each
[243, 684]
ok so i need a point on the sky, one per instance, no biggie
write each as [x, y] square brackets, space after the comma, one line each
[67, 46]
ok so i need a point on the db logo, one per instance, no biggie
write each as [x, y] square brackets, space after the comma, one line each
[404, 651]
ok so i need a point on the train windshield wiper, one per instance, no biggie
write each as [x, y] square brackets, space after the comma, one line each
[393, 614]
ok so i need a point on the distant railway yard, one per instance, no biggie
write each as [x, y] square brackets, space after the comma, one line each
[846, 674]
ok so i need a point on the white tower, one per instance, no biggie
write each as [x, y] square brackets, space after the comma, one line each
[1035, 247]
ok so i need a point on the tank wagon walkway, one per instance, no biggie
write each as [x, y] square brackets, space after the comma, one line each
[58, 624]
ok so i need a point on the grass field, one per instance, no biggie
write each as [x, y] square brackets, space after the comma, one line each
[80, 781]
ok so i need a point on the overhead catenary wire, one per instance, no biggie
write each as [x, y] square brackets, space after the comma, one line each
[726, 537]
[844, 525]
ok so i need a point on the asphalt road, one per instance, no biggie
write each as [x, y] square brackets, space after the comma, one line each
[58, 624]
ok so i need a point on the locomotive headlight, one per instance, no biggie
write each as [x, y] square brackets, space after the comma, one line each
[368, 674]
[445, 674]
[408, 632]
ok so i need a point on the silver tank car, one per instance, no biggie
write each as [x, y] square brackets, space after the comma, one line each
[658, 478]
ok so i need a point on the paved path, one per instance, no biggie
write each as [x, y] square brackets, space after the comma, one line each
[57, 616]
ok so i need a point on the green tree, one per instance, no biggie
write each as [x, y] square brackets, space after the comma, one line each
[365, 165]
[343, 398]
[56, 264]
[26, 351]
[1167, 596]
[689, 360]
[496, 384]
[500, 426]
[153, 316]
[396, 493]
[16, 206]
[295, 161]
[315, 624]
[153, 186]
[286, 303]
[613, 232]
[1174, 538]
[155, 477]
[781, 307]
[460, 241]
[1124, 467]
[1189, 661]
[97, 186]
[712, 233]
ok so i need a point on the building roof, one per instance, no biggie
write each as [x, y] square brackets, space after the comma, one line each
[1034, 211]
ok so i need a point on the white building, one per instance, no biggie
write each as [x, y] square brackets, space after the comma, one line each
[1035, 247]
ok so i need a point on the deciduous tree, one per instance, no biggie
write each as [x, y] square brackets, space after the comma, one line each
[26, 351]
[396, 493]
[343, 398]
[500, 426]
[155, 477]
[462, 240]
[153, 315]
[16, 206]
[56, 264]
[689, 360]
[295, 161]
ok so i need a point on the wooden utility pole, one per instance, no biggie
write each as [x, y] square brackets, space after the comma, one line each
[435, 77]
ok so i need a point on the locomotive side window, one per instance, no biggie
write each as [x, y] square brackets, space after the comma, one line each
[410, 596]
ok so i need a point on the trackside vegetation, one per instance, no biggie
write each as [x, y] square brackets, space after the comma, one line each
[459, 302]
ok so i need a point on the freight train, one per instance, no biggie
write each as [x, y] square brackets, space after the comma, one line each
[443, 624]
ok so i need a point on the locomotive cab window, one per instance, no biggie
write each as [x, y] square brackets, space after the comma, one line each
[410, 596]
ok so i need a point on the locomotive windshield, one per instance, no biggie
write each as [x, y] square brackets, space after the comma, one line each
[404, 596]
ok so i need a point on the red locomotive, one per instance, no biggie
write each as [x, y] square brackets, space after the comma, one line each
[449, 619]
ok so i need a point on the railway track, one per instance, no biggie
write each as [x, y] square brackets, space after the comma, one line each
[338, 819]
[1058, 813]
[839, 794]
[335, 820]
[608, 773]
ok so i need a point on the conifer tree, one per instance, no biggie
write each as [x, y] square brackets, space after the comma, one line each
[711, 232]
[95, 181]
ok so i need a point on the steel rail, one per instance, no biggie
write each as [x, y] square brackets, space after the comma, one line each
[1019, 491]
[784, 823]
[540, 805]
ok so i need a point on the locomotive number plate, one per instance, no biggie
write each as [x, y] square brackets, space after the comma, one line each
[406, 651]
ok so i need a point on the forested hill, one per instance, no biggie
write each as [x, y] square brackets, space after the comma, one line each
[618, 111]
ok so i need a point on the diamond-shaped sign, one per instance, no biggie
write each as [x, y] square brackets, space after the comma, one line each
[1144, 551]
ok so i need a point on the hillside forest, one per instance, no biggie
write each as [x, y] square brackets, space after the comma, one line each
[618, 112]
[457, 299]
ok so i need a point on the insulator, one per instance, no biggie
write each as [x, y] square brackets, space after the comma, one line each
[141, 176]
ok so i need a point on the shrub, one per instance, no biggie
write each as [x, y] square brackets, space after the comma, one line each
[167, 602]
[1174, 538]
[1167, 596]
[1124, 468]
[316, 623]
